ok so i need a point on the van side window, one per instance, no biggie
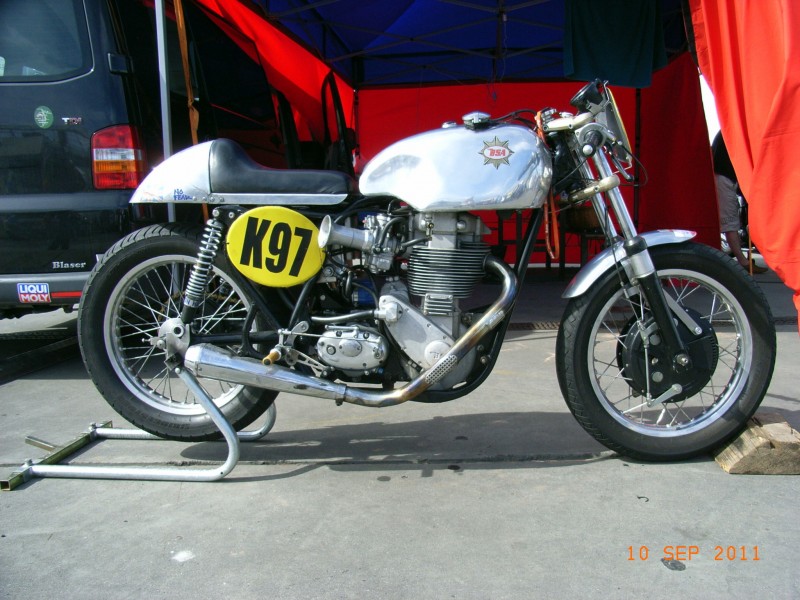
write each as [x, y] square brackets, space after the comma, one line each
[43, 40]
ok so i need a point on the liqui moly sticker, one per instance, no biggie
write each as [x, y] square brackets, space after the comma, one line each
[33, 293]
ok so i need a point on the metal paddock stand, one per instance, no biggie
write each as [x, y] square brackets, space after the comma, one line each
[48, 467]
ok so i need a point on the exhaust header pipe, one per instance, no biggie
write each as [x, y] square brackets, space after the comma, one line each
[212, 362]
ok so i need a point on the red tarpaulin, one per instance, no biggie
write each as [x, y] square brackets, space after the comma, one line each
[673, 141]
[674, 149]
[292, 69]
[750, 54]
[673, 138]
[390, 114]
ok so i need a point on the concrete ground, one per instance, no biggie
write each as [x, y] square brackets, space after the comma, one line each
[497, 495]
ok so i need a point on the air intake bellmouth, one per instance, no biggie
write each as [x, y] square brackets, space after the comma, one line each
[338, 235]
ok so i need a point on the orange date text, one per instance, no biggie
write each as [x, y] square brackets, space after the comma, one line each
[688, 552]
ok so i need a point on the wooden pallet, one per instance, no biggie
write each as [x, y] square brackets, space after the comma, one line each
[768, 446]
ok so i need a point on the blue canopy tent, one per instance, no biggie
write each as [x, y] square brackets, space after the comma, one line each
[412, 42]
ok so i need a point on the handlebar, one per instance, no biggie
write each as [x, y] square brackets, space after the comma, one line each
[569, 123]
[593, 140]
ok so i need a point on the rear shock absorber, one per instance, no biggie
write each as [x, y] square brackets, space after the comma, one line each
[198, 278]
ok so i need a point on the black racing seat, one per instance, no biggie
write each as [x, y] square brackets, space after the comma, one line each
[232, 171]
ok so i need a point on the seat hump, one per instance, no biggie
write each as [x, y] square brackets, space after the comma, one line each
[232, 171]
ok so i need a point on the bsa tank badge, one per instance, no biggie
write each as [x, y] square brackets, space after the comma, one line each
[496, 153]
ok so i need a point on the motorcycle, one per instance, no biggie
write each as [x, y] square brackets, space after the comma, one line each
[304, 282]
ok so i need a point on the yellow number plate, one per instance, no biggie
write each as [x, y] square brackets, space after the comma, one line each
[275, 246]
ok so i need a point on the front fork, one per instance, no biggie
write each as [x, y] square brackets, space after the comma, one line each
[638, 262]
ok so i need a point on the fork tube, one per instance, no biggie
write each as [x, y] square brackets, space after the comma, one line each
[617, 202]
[599, 204]
[643, 270]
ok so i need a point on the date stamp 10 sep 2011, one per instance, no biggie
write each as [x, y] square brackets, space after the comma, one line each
[686, 552]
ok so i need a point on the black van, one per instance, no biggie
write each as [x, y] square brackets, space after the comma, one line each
[80, 118]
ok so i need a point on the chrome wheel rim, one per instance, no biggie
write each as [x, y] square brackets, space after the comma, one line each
[139, 304]
[717, 305]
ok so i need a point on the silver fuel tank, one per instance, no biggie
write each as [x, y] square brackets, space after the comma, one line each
[456, 168]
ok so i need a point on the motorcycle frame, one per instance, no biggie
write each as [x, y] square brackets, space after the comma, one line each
[590, 142]
[633, 262]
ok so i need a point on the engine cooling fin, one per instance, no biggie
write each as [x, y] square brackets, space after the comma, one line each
[449, 271]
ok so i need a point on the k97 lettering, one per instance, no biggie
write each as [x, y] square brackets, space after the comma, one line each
[280, 242]
[274, 246]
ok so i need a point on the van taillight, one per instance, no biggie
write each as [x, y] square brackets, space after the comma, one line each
[117, 158]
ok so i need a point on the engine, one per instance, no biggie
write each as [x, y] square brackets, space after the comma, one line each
[444, 255]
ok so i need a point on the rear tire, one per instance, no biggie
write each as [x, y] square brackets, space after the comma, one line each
[606, 372]
[137, 285]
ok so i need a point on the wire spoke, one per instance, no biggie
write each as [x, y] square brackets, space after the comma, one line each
[626, 316]
[152, 296]
[175, 287]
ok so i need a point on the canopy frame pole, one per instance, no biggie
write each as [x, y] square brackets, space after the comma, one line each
[163, 81]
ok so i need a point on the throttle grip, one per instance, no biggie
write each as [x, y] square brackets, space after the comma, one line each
[593, 140]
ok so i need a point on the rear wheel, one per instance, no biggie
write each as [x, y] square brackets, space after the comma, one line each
[616, 375]
[136, 286]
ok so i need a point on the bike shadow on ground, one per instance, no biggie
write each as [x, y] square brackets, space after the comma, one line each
[386, 472]
[440, 445]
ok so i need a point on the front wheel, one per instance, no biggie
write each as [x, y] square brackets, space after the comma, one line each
[615, 376]
[137, 285]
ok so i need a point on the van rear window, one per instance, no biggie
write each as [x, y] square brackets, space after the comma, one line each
[43, 40]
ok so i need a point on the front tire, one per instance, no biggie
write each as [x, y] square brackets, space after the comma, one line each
[135, 287]
[606, 373]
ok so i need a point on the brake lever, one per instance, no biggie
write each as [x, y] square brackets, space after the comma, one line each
[621, 169]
